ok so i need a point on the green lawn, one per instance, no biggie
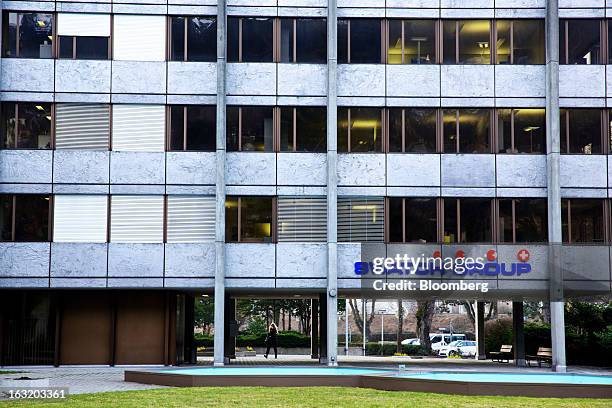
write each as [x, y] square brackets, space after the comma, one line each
[302, 397]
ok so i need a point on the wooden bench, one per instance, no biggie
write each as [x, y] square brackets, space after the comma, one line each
[544, 355]
[503, 355]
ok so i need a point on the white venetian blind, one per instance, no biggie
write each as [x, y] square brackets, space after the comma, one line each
[80, 218]
[191, 219]
[139, 38]
[137, 218]
[302, 219]
[82, 126]
[139, 128]
[361, 219]
[83, 24]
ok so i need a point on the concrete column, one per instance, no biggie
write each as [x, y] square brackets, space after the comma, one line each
[324, 330]
[480, 331]
[220, 189]
[332, 187]
[518, 342]
[230, 329]
[314, 328]
[553, 144]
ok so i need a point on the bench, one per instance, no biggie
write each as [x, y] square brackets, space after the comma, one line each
[503, 355]
[544, 355]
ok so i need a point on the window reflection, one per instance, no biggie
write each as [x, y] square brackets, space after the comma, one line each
[417, 44]
[26, 125]
[580, 42]
[360, 129]
[28, 35]
[466, 41]
[583, 220]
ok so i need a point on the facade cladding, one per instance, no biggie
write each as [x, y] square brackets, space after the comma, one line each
[153, 151]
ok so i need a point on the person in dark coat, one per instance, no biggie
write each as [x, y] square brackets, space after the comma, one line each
[271, 340]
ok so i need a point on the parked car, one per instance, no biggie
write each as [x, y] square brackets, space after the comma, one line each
[448, 349]
[438, 340]
[463, 348]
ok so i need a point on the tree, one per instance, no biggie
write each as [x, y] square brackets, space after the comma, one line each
[424, 315]
[356, 311]
[400, 324]
[204, 313]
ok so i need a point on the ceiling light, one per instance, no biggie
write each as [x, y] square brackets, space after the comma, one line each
[483, 44]
[40, 108]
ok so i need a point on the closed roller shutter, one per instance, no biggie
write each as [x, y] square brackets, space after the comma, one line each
[302, 219]
[82, 126]
[361, 219]
[83, 24]
[139, 38]
[137, 218]
[139, 128]
[191, 219]
[80, 218]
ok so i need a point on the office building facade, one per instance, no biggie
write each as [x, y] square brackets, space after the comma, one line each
[156, 149]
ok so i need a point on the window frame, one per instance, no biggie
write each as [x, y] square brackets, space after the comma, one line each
[383, 126]
[383, 41]
[603, 131]
[387, 131]
[50, 216]
[295, 139]
[496, 37]
[169, 46]
[16, 130]
[185, 109]
[490, 138]
[437, 32]
[492, 40]
[493, 219]
[273, 226]
[387, 226]
[74, 48]
[606, 212]
[275, 35]
[496, 143]
[279, 35]
[21, 12]
[275, 128]
[603, 46]
[499, 230]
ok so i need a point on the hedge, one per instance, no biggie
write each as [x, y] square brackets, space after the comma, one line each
[389, 348]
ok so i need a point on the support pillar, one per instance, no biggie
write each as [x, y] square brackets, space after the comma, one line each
[480, 331]
[231, 329]
[314, 328]
[323, 331]
[553, 144]
[518, 342]
[220, 189]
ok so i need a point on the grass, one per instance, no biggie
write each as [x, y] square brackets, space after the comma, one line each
[306, 397]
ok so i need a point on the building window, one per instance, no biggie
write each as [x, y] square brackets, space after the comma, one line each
[361, 219]
[466, 41]
[521, 130]
[302, 219]
[303, 40]
[80, 218]
[190, 218]
[360, 41]
[249, 219]
[582, 220]
[303, 129]
[27, 35]
[412, 42]
[193, 128]
[139, 128]
[412, 220]
[466, 130]
[139, 37]
[580, 42]
[26, 125]
[250, 39]
[582, 131]
[250, 128]
[459, 216]
[193, 39]
[412, 130]
[24, 218]
[523, 220]
[137, 219]
[84, 36]
[82, 126]
[520, 42]
[360, 130]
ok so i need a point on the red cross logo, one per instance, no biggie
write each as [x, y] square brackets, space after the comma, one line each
[523, 255]
[459, 254]
[491, 255]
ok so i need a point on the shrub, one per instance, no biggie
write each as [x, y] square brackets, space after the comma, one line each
[202, 340]
[289, 339]
[497, 333]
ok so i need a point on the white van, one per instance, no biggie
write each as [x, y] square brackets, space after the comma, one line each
[437, 340]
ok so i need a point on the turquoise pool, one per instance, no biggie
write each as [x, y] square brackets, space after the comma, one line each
[255, 371]
[536, 378]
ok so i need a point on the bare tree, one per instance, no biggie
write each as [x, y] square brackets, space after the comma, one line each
[400, 324]
[357, 315]
[424, 315]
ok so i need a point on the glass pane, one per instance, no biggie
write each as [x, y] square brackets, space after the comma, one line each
[343, 130]
[449, 128]
[564, 220]
[286, 39]
[587, 220]
[394, 54]
[365, 41]
[311, 40]
[366, 130]
[474, 130]
[177, 127]
[35, 35]
[395, 220]
[420, 130]
[256, 219]
[232, 113]
[257, 126]
[395, 130]
[504, 42]
[474, 42]
[202, 39]
[450, 220]
[286, 137]
[419, 42]
[92, 48]
[177, 47]
[585, 131]
[8, 125]
[583, 42]
[530, 130]
[233, 39]
[449, 38]
[504, 131]
[311, 130]
[531, 220]
[505, 220]
[31, 218]
[421, 220]
[34, 126]
[476, 209]
[66, 47]
[231, 219]
[9, 40]
[201, 128]
[529, 42]
[6, 217]
[342, 41]
[257, 39]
